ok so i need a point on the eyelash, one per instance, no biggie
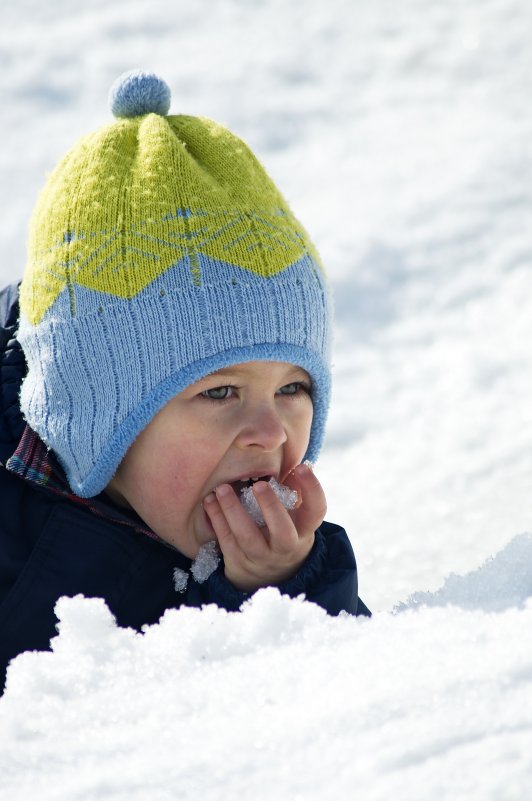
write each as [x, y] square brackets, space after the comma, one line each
[300, 387]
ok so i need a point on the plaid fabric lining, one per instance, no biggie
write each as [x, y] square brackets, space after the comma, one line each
[35, 463]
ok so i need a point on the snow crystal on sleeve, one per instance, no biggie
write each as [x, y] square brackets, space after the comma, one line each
[180, 579]
[206, 562]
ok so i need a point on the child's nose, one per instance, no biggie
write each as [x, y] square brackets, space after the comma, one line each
[262, 426]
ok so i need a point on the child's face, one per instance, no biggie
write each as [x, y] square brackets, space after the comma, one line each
[245, 421]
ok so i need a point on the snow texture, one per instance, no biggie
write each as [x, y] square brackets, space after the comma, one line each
[206, 562]
[400, 134]
[498, 584]
[287, 496]
[180, 579]
[280, 701]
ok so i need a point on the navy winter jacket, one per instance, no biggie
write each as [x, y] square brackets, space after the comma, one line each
[52, 546]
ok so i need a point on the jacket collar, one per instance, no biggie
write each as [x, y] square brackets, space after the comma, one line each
[35, 463]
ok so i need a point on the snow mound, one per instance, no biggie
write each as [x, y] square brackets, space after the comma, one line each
[501, 582]
[281, 701]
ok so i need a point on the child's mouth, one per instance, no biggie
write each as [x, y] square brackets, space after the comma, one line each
[238, 486]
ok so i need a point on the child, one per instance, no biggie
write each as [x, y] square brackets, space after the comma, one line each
[174, 330]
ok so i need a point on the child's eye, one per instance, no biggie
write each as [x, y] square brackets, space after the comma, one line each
[218, 393]
[294, 388]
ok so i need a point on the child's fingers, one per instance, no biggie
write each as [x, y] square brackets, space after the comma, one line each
[241, 539]
[252, 558]
[311, 512]
[221, 528]
[245, 532]
[229, 546]
[283, 534]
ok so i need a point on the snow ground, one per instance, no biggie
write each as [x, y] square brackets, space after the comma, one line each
[282, 702]
[401, 135]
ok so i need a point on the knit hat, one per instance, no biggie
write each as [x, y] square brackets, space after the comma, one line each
[159, 252]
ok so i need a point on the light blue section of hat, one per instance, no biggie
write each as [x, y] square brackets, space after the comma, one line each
[137, 92]
[132, 355]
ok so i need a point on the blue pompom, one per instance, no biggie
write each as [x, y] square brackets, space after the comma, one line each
[135, 93]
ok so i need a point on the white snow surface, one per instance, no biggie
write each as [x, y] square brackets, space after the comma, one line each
[400, 133]
[282, 701]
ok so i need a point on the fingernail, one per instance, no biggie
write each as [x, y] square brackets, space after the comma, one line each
[303, 468]
[210, 498]
[223, 490]
[260, 488]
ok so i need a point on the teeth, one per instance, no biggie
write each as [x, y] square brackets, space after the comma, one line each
[249, 480]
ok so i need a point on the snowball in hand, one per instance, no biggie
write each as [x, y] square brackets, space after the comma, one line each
[287, 496]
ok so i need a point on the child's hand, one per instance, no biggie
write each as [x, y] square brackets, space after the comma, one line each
[256, 557]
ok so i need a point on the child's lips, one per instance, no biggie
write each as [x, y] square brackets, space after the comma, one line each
[241, 484]
[238, 483]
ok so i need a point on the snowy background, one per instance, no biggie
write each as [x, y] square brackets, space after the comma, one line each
[401, 135]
